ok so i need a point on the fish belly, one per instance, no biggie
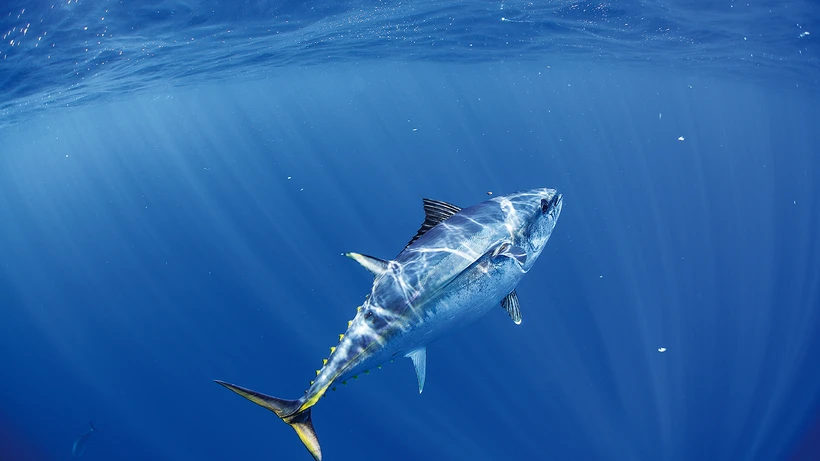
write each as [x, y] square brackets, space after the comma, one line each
[466, 299]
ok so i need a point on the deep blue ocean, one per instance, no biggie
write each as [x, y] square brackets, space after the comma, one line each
[179, 180]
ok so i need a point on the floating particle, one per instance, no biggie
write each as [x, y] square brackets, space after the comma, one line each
[660, 115]
[680, 138]
[661, 349]
[289, 178]
[489, 192]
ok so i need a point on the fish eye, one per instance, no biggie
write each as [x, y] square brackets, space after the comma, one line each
[545, 205]
[368, 316]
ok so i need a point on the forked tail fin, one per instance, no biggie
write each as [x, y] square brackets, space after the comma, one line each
[288, 411]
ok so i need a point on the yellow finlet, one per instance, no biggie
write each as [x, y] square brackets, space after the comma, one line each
[341, 336]
[317, 372]
[333, 349]
[324, 362]
[312, 401]
[349, 322]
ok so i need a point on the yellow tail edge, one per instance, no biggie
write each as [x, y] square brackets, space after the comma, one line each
[289, 411]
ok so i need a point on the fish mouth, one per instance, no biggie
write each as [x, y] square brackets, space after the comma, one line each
[553, 207]
[557, 200]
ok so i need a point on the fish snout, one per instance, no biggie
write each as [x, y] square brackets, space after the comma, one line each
[552, 205]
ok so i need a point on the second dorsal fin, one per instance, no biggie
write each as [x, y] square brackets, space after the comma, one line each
[435, 211]
[376, 266]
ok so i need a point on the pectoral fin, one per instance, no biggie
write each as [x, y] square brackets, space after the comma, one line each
[419, 358]
[511, 251]
[510, 304]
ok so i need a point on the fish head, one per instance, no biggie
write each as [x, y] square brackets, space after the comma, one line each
[531, 217]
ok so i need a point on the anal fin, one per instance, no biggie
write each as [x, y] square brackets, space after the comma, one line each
[419, 358]
[510, 304]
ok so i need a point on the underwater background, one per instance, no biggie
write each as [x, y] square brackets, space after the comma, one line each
[178, 180]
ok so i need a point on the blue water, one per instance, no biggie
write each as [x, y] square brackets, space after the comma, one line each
[179, 179]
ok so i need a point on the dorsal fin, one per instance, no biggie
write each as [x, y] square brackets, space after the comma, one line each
[435, 211]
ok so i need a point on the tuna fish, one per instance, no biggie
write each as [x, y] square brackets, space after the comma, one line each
[459, 266]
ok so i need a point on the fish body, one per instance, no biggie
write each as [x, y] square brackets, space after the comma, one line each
[459, 266]
[78, 447]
